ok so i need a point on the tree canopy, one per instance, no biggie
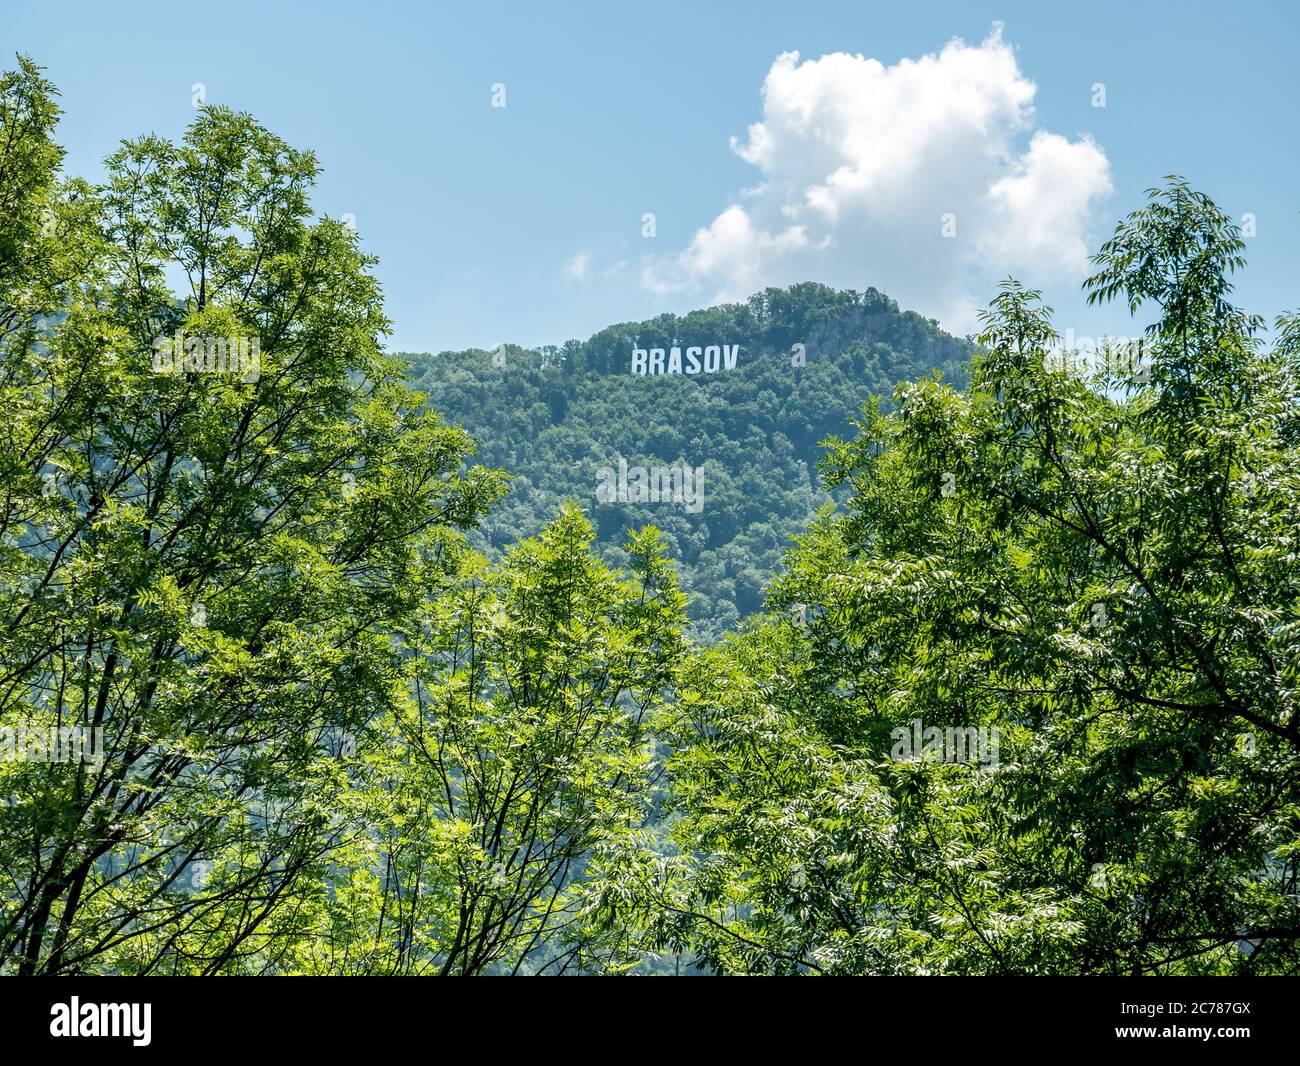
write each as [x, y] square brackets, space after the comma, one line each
[290, 684]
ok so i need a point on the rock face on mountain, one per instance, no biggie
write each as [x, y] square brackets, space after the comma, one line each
[706, 425]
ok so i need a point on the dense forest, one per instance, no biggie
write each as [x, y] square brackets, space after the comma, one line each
[295, 681]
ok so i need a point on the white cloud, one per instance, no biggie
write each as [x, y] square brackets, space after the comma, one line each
[860, 163]
[1039, 210]
[729, 246]
[576, 268]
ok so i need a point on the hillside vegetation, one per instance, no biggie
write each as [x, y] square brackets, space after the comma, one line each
[553, 417]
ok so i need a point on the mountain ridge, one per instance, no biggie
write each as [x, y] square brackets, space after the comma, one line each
[556, 416]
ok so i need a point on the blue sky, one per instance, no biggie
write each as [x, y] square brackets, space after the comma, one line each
[524, 223]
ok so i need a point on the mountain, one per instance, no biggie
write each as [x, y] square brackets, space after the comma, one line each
[741, 394]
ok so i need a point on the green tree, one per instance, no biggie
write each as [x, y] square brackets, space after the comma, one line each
[1097, 563]
[212, 566]
[510, 809]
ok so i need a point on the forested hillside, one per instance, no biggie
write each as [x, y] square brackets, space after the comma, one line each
[1025, 699]
[810, 357]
